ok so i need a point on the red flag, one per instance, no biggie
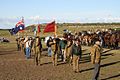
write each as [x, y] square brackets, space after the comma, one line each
[38, 28]
[50, 27]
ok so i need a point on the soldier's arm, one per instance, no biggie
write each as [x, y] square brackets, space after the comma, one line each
[92, 53]
[69, 44]
[51, 43]
[71, 50]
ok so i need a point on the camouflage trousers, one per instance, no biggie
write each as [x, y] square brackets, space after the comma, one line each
[37, 56]
[76, 63]
[54, 58]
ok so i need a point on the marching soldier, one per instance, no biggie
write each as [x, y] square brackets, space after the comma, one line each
[38, 50]
[55, 50]
[27, 47]
[96, 51]
[62, 45]
[68, 49]
[22, 45]
[76, 52]
[18, 44]
[49, 46]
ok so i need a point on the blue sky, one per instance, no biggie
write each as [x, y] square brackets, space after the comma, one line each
[42, 11]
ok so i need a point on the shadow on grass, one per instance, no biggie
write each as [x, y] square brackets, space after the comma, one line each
[108, 50]
[87, 58]
[109, 54]
[8, 52]
[46, 63]
[104, 65]
[111, 77]
[61, 63]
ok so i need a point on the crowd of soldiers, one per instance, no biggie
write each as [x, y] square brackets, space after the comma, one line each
[109, 38]
[30, 45]
[67, 48]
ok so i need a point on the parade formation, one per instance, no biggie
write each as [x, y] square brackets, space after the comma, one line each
[68, 48]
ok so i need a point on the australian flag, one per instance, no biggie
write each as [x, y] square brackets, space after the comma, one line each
[20, 26]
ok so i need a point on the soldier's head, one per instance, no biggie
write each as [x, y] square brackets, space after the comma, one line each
[77, 41]
[98, 42]
[50, 38]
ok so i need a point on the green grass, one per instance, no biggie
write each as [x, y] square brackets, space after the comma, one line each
[4, 33]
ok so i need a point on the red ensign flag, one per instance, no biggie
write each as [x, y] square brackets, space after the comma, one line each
[50, 27]
[38, 28]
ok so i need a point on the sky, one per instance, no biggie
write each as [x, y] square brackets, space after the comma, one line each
[62, 11]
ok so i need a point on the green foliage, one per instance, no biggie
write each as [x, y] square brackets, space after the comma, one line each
[4, 33]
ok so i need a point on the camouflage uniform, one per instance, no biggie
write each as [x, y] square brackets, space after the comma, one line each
[18, 44]
[38, 47]
[76, 52]
[96, 51]
[54, 47]
[22, 44]
[68, 49]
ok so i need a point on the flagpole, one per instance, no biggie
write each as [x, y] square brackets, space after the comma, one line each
[23, 31]
[38, 29]
[55, 33]
[18, 34]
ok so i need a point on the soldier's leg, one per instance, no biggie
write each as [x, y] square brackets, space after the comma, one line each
[49, 51]
[39, 58]
[36, 59]
[71, 60]
[96, 71]
[36, 56]
[74, 63]
[18, 46]
[62, 51]
[53, 58]
[56, 59]
[77, 64]
[64, 55]
[27, 52]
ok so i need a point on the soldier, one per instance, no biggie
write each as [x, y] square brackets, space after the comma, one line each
[96, 51]
[22, 45]
[76, 52]
[54, 47]
[38, 50]
[27, 47]
[68, 48]
[49, 46]
[18, 44]
[62, 45]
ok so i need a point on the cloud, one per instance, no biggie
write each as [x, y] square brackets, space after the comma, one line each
[9, 22]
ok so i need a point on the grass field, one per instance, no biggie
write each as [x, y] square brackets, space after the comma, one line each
[14, 66]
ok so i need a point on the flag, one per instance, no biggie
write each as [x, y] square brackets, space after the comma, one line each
[12, 31]
[19, 26]
[38, 28]
[50, 27]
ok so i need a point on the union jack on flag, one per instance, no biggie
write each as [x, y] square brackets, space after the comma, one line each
[20, 25]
